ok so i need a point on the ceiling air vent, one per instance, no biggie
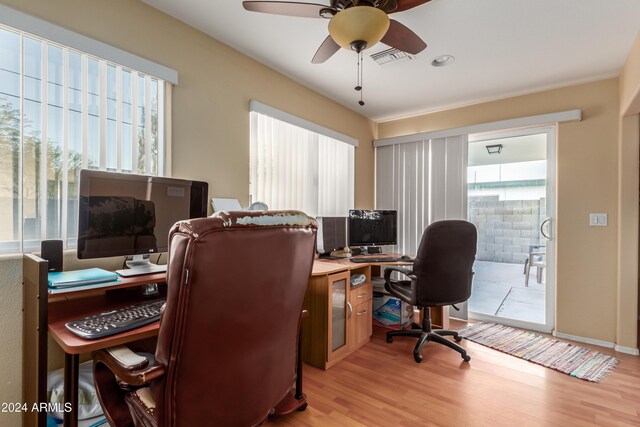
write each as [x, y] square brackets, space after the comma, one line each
[390, 55]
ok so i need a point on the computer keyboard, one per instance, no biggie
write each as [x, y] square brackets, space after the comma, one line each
[116, 321]
[381, 259]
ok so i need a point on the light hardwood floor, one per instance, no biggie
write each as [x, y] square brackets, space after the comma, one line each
[381, 385]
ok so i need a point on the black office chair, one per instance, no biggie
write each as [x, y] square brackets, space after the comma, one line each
[441, 275]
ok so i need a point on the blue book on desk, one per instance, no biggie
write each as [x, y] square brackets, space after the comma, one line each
[89, 276]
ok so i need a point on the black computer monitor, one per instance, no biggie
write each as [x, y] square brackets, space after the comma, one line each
[332, 234]
[373, 227]
[125, 214]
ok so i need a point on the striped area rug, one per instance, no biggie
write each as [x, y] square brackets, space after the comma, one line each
[567, 358]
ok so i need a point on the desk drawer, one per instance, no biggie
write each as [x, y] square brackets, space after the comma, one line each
[360, 294]
[360, 325]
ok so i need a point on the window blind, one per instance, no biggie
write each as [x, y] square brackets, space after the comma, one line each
[45, 30]
[62, 110]
[296, 168]
[425, 181]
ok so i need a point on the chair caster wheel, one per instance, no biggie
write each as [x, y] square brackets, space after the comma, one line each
[466, 357]
[389, 339]
[417, 357]
[458, 338]
[302, 407]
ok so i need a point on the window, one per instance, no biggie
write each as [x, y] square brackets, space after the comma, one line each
[297, 167]
[62, 110]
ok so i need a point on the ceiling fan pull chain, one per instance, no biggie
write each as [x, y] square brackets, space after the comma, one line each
[361, 67]
[358, 85]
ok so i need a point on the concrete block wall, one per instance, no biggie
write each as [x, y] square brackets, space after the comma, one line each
[506, 228]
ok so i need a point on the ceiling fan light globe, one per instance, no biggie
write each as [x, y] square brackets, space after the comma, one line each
[359, 23]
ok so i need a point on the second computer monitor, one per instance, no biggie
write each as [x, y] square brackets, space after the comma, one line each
[373, 227]
[332, 234]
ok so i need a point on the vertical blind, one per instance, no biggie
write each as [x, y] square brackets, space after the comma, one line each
[62, 110]
[425, 181]
[296, 168]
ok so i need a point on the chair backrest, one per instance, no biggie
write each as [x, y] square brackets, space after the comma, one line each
[228, 334]
[444, 263]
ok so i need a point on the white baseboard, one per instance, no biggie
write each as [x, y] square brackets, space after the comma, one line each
[627, 350]
[600, 343]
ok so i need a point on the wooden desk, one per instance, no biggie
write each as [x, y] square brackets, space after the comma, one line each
[42, 315]
[50, 313]
[340, 316]
[339, 320]
[439, 315]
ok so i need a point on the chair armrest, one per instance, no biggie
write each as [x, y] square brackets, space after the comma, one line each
[134, 376]
[403, 289]
[402, 270]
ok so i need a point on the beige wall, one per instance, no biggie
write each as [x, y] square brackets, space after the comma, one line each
[628, 186]
[629, 140]
[210, 121]
[630, 81]
[587, 181]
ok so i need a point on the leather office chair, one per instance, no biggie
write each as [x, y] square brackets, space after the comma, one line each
[228, 342]
[441, 275]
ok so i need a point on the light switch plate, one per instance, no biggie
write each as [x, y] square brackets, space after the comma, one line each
[598, 219]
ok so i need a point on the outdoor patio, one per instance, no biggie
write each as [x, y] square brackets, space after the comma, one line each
[499, 290]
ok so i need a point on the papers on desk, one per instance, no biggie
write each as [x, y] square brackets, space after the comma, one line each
[65, 281]
[222, 204]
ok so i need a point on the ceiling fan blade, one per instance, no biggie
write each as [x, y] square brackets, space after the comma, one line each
[403, 39]
[304, 10]
[325, 51]
[408, 4]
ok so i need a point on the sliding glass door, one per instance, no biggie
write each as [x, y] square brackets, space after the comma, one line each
[511, 200]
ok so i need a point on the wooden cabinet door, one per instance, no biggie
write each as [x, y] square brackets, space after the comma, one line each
[360, 324]
[339, 313]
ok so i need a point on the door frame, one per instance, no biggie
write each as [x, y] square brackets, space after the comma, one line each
[551, 245]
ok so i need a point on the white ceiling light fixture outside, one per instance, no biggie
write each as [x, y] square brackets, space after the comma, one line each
[494, 149]
[443, 60]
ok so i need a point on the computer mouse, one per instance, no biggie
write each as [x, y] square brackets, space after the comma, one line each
[406, 258]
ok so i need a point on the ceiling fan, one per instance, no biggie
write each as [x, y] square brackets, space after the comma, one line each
[354, 24]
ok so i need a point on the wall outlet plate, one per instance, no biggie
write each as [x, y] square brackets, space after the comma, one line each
[598, 219]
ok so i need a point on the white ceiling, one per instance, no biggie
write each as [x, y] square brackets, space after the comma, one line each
[502, 48]
[514, 150]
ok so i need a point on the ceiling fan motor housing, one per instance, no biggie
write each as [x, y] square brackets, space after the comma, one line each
[358, 45]
[386, 5]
